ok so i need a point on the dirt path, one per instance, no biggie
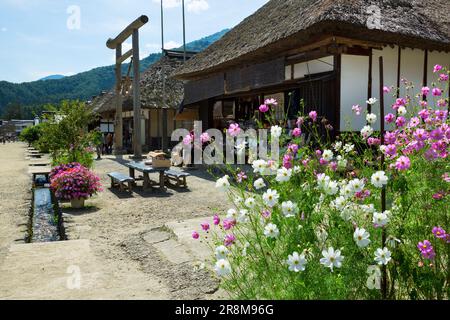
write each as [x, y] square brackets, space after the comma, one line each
[14, 195]
[122, 245]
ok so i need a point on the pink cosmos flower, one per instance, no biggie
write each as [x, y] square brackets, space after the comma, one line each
[437, 92]
[425, 91]
[297, 132]
[271, 102]
[390, 137]
[287, 161]
[266, 214]
[229, 223]
[241, 176]
[318, 153]
[420, 135]
[216, 220]
[293, 148]
[389, 118]
[373, 141]
[188, 140]
[442, 103]
[446, 177]
[263, 108]
[403, 163]
[229, 240]
[424, 114]
[437, 134]
[441, 114]
[423, 103]
[439, 233]
[386, 89]
[313, 115]
[426, 249]
[391, 150]
[323, 162]
[333, 166]
[437, 68]
[356, 109]
[205, 226]
[234, 130]
[400, 122]
[400, 102]
[414, 122]
[195, 235]
[443, 77]
[438, 196]
[204, 137]
[300, 121]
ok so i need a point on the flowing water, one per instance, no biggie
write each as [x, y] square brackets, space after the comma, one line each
[44, 220]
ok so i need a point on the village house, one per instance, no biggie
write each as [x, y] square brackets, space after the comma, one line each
[151, 103]
[324, 52]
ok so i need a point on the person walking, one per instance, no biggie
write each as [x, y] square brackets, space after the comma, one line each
[109, 143]
[98, 142]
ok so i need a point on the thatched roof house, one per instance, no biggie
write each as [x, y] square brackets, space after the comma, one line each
[324, 52]
[151, 89]
[283, 24]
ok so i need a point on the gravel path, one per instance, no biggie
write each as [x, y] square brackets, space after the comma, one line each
[116, 226]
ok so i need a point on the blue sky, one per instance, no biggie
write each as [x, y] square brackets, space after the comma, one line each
[41, 37]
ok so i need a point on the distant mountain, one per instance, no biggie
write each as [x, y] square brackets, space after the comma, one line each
[52, 77]
[81, 86]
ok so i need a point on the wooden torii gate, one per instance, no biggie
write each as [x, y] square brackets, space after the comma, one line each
[116, 43]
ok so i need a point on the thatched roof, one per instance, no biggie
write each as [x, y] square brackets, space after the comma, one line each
[151, 89]
[286, 24]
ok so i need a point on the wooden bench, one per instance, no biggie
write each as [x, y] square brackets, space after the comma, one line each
[176, 176]
[122, 181]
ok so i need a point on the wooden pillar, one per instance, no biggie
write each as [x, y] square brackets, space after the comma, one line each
[137, 132]
[369, 85]
[425, 72]
[118, 125]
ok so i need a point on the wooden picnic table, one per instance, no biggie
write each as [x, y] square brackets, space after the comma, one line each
[39, 163]
[146, 170]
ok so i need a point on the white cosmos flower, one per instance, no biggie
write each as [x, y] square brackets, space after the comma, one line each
[270, 197]
[367, 208]
[371, 118]
[342, 162]
[250, 202]
[223, 184]
[289, 209]
[322, 180]
[372, 101]
[382, 256]
[259, 184]
[327, 155]
[379, 179]
[276, 131]
[221, 252]
[361, 237]
[356, 185]
[349, 147]
[283, 174]
[380, 219]
[297, 169]
[296, 262]
[401, 111]
[232, 214]
[238, 201]
[366, 131]
[259, 166]
[271, 231]
[338, 203]
[331, 258]
[337, 145]
[331, 188]
[243, 216]
[222, 268]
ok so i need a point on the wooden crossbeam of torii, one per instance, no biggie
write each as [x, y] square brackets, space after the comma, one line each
[116, 44]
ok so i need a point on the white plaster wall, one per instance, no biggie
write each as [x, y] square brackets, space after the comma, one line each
[390, 64]
[314, 66]
[434, 58]
[287, 72]
[411, 70]
[354, 80]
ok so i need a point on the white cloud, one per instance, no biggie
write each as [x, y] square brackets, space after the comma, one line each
[195, 6]
[171, 45]
[3, 29]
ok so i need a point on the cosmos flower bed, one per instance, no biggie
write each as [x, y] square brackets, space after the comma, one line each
[315, 225]
[73, 181]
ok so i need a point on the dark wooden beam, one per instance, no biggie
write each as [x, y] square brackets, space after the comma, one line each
[337, 71]
[425, 72]
[369, 84]
[399, 69]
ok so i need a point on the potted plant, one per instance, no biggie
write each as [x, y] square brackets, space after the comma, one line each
[75, 183]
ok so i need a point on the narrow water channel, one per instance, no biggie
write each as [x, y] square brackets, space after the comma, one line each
[44, 224]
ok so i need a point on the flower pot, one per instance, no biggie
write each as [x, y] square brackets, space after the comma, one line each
[77, 203]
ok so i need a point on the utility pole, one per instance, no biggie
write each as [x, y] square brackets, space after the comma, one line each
[184, 33]
[164, 138]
